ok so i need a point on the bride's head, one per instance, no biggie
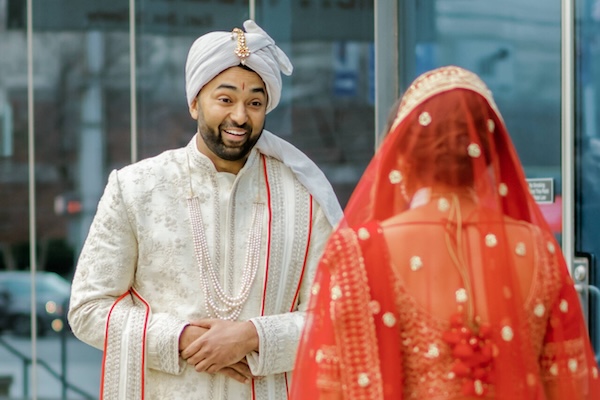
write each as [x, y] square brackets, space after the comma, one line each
[443, 139]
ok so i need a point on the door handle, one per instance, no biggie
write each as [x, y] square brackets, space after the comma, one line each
[584, 290]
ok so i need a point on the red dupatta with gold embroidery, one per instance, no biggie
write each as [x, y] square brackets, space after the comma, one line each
[460, 240]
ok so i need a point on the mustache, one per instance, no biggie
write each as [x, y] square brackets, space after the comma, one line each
[231, 124]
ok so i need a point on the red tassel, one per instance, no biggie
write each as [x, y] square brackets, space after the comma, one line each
[462, 351]
[451, 337]
[460, 369]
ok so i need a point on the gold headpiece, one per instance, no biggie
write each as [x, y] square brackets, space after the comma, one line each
[242, 51]
[441, 80]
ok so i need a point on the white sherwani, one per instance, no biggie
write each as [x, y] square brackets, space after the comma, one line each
[138, 280]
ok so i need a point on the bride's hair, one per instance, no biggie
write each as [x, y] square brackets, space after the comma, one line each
[436, 144]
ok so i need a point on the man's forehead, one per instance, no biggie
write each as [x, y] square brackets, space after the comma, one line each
[236, 78]
[238, 75]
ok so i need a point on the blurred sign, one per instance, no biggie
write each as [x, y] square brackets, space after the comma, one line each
[67, 204]
[542, 189]
[346, 66]
[309, 19]
[332, 19]
[153, 16]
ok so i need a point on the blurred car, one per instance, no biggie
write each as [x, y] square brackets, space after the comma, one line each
[52, 297]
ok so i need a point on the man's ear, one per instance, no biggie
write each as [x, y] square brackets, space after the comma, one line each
[194, 108]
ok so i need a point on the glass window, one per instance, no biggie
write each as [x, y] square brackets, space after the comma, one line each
[327, 106]
[163, 39]
[514, 46]
[75, 54]
[587, 133]
[14, 168]
[587, 121]
[88, 121]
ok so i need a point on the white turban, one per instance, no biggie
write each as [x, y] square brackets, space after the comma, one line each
[214, 52]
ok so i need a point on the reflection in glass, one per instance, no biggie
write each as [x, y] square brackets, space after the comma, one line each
[163, 39]
[515, 48]
[327, 107]
[587, 147]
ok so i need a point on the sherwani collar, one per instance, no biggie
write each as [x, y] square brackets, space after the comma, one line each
[305, 170]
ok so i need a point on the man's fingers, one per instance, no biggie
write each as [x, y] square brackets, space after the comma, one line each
[204, 323]
[195, 356]
[194, 359]
[233, 374]
[242, 368]
[188, 340]
[204, 366]
[213, 369]
[238, 371]
[190, 350]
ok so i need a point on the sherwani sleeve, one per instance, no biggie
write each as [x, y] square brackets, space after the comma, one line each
[279, 334]
[105, 272]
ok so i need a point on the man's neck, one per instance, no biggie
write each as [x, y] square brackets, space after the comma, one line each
[232, 167]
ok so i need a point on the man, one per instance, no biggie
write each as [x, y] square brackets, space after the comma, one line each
[198, 265]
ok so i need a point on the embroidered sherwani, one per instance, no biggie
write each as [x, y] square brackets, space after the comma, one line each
[138, 281]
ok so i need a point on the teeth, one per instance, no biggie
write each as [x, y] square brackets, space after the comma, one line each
[236, 133]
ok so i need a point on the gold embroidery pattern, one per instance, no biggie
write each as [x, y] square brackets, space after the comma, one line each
[431, 377]
[503, 189]
[547, 286]
[573, 364]
[474, 150]
[395, 177]
[424, 118]
[439, 81]
[328, 363]
[427, 358]
[354, 324]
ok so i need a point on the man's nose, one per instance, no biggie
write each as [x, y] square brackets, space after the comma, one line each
[239, 114]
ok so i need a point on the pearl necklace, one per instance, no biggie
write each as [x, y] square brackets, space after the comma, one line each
[217, 302]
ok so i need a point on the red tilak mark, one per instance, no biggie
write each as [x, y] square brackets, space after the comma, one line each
[243, 85]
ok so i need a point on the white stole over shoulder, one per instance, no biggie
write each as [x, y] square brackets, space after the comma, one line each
[307, 172]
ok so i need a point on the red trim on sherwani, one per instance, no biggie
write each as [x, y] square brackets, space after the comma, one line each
[266, 280]
[310, 218]
[135, 320]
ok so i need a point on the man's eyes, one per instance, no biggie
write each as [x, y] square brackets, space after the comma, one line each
[253, 103]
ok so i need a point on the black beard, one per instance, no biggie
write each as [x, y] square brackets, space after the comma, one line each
[214, 142]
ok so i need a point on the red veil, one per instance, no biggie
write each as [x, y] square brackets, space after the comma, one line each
[444, 279]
